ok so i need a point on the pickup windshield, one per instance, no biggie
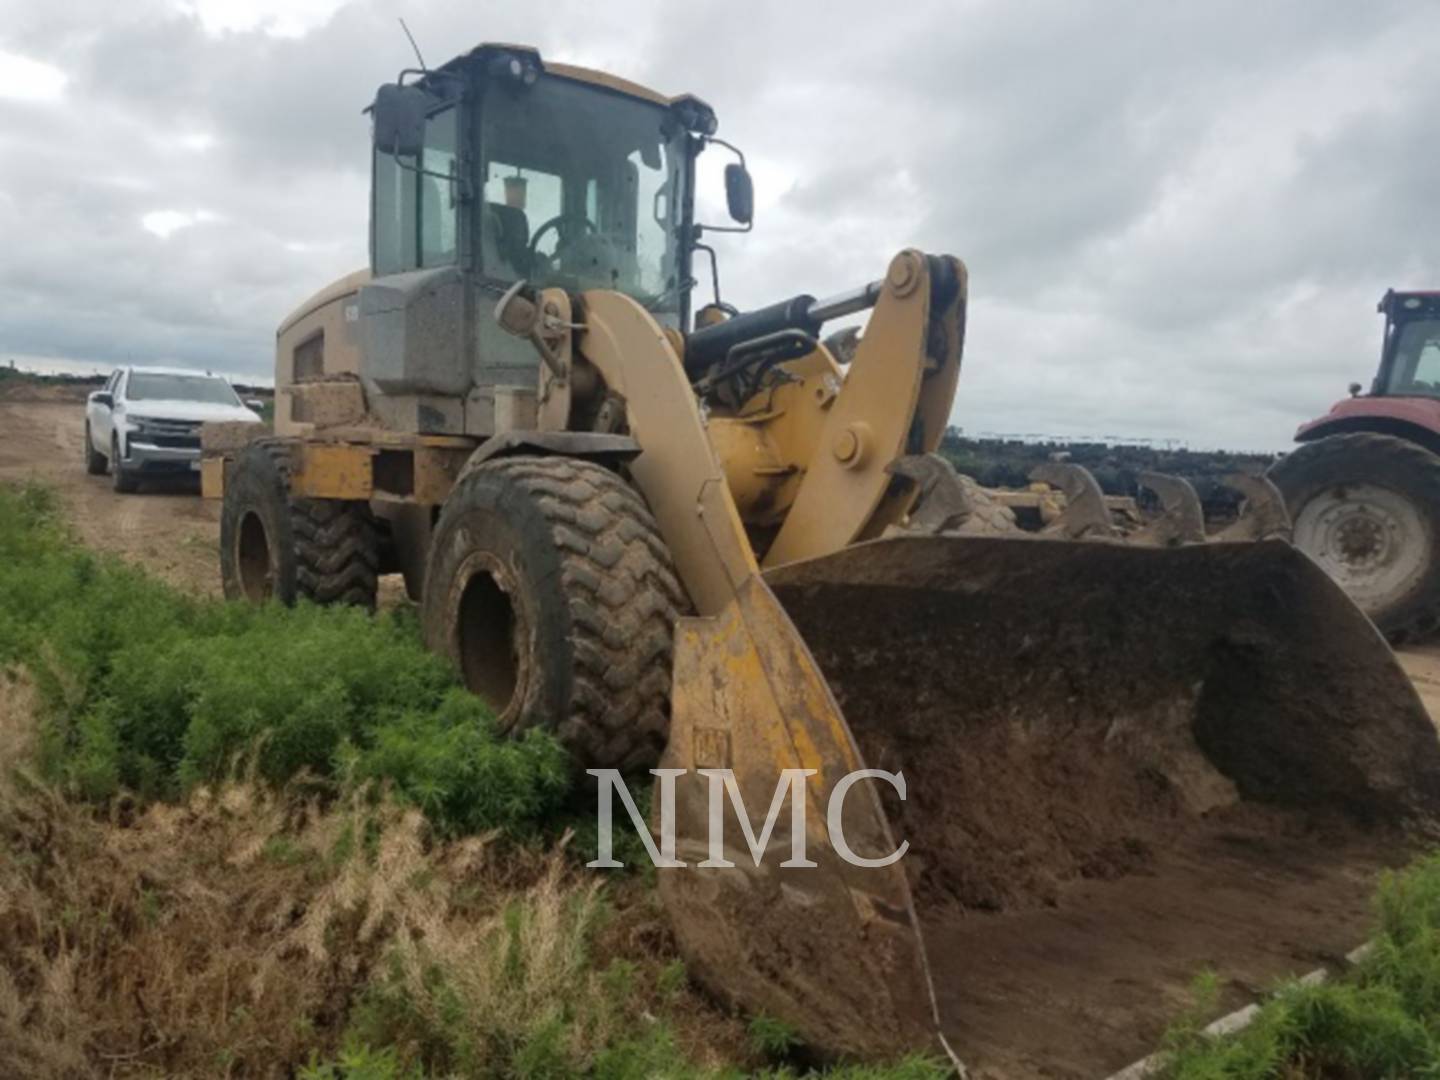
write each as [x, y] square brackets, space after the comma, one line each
[1415, 364]
[583, 188]
[153, 386]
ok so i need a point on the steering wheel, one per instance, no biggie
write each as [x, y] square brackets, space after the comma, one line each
[558, 223]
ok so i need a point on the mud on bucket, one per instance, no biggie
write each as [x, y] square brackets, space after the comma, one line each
[1123, 766]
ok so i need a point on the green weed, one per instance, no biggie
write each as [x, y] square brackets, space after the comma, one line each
[771, 1038]
[1380, 1020]
[147, 690]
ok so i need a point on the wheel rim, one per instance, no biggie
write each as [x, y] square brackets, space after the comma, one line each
[1370, 539]
[252, 559]
[489, 637]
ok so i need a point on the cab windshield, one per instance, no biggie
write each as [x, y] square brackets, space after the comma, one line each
[159, 386]
[582, 188]
[1415, 364]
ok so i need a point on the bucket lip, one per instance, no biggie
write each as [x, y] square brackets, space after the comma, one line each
[794, 720]
[871, 562]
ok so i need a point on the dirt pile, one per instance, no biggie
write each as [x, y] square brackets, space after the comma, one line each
[1062, 712]
[1123, 767]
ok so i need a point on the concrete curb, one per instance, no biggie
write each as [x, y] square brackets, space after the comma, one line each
[1238, 1020]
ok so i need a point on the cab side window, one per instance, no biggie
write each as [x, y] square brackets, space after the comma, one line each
[392, 215]
[415, 204]
[1427, 364]
[438, 191]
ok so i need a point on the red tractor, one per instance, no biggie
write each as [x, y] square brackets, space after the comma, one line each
[1363, 487]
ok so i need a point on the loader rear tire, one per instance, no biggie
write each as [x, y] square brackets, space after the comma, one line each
[551, 591]
[275, 546]
[1366, 507]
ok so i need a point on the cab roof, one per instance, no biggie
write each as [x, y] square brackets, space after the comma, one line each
[1409, 302]
[574, 72]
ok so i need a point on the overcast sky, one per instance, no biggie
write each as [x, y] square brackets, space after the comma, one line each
[1177, 217]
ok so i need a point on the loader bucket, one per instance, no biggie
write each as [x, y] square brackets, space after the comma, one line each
[1123, 766]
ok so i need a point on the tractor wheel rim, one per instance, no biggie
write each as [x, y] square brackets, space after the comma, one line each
[1371, 539]
[492, 636]
[254, 561]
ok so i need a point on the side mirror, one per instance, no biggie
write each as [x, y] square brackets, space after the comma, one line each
[255, 404]
[398, 116]
[739, 193]
[103, 397]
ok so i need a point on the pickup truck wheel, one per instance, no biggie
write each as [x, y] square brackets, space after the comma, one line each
[274, 546]
[1366, 507]
[95, 462]
[550, 589]
[124, 481]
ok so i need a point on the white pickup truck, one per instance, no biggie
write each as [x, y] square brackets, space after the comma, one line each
[146, 420]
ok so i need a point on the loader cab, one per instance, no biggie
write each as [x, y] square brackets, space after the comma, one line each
[507, 168]
[497, 168]
[1410, 354]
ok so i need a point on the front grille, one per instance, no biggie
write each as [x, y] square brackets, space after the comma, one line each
[177, 434]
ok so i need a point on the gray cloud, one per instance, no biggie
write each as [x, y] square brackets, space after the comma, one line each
[1177, 218]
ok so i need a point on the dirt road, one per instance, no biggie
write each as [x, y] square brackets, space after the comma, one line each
[166, 527]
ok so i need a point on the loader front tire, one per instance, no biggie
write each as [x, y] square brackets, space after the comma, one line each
[551, 591]
[273, 546]
[1366, 507]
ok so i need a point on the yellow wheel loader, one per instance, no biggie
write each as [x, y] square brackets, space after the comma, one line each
[1104, 754]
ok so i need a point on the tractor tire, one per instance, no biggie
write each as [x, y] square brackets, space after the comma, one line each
[1366, 508]
[550, 589]
[95, 462]
[122, 479]
[273, 546]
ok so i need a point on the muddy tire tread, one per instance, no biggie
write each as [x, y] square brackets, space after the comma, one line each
[623, 598]
[336, 542]
[337, 551]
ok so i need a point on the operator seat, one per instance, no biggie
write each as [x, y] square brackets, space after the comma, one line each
[505, 239]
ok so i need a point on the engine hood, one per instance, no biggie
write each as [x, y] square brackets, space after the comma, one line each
[1354, 414]
[187, 410]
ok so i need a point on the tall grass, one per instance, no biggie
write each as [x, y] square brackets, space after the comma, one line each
[249, 931]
